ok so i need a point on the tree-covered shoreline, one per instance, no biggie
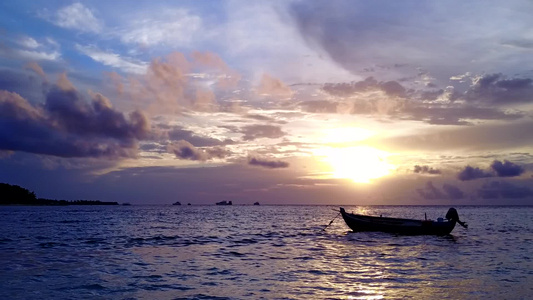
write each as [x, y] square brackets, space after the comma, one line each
[17, 195]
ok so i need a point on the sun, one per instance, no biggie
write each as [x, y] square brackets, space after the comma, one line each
[361, 164]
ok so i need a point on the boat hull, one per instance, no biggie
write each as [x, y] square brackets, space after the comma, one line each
[394, 225]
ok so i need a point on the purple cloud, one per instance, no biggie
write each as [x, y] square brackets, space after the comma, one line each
[426, 170]
[185, 150]
[252, 132]
[391, 88]
[452, 191]
[498, 89]
[506, 169]
[498, 169]
[502, 189]
[271, 164]
[470, 173]
[430, 192]
[179, 133]
[68, 125]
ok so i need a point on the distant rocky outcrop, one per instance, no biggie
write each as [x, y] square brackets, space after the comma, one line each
[224, 203]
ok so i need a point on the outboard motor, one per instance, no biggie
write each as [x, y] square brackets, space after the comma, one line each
[452, 215]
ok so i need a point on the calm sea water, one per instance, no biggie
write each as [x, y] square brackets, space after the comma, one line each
[259, 252]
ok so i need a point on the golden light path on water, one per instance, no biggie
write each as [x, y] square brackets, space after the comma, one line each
[361, 163]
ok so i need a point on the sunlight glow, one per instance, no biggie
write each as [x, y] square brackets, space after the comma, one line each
[360, 164]
[346, 134]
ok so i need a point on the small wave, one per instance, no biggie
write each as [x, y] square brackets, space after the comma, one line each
[52, 245]
[203, 297]
[71, 221]
[246, 241]
[235, 253]
[158, 287]
[93, 287]
[216, 271]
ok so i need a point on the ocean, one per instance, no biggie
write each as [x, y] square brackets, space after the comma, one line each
[259, 252]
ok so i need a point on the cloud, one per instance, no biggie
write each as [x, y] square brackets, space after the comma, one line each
[263, 118]
[453, 114]
[452, 191]
[498, 169]
[369, 35]
[171, 85]
[179, 133]
[95, 118]
[30, 55]
[522, 43]
[390, 98]
[28, 42]
[35, 67]
[185, 150]
[175, 28]
[502, 189]
[265, 163]
[212, 63]
[482, 137]
[68, 125]
[471, 173]
[252, 132]
[430, 192]
[273, 86]
[391, 88]
[506, 169]
[320, 106]
[24, 83]
[77, 16]
[114, 60]
[426, 170]
[498, 89]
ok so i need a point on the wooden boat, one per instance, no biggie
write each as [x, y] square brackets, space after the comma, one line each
[403, 226]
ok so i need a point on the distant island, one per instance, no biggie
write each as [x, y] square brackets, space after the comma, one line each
[16, 195]
[224, 203]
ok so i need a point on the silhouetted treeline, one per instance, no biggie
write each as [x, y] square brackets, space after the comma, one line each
[16, 195]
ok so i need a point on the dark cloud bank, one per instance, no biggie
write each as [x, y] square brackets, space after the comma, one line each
[68, 125]
[430, 192]
[502, 189]
[497, 169]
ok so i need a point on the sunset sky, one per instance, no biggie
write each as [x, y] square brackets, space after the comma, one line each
[281, 102]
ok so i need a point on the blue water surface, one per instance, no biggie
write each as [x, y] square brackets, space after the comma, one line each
[259, 252]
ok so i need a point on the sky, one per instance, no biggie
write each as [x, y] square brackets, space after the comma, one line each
[281, 102]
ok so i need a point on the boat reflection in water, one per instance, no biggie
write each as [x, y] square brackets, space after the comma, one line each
[403, 226]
